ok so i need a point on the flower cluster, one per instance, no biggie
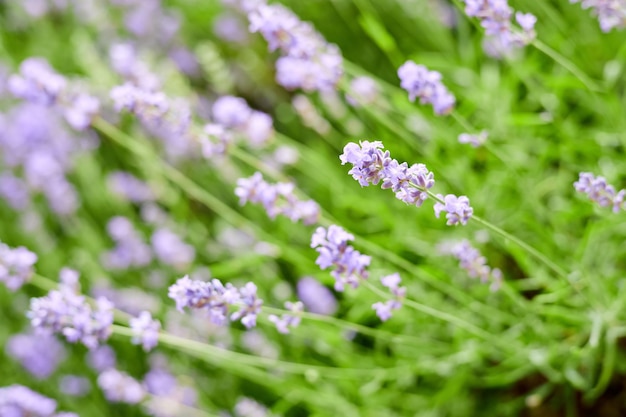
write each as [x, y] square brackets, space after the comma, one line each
[170, 249]
[68, 313]
[426, 85]
[38, 83]
[145, 330]
[392, 282]
[215, 298]
[276, 199]
[120, 388]
[39, 354]
[476, 140]
[308, 61]
[234, 113]
[611, 13]
[371, 165]
[474, 263]
[291, 319]
[362, 91]
[130, 250]
[495, 17]
[349, 264]
[18, 400]
[129, 187]
[16, 266]
[598, 190]
[458, 209]
[316, 297]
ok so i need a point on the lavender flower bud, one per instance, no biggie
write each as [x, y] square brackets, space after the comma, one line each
[372, 165]
[291, 319]
[475, 140]
[119, 387]
[457, 209]
[18, 401]
[426, 85]
[611, 13]
[171, 250]
[316, 298]
[598, 190]
[384, 310]
[40, 354]
[474, 263]
[16, 266]
[214, 298]
[277, 199]
[145, 330]
[349, 265]
[37, 82]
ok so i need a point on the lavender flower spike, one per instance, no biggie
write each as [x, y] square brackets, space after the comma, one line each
[145, 330]
[611, 13]
[65, 312]
[349, 264]
[474, 263]
[16, 266]
[457, 209]
[426, 85]
[372, 165]
[17, 400]
[291, 319]
[384, 310]
[598, 190]
[215, 298]
[120, 388]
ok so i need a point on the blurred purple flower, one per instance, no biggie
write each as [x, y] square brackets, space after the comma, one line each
[349, 265]
[474, 263]
[16, 266]
[40, 354]
[316, 298]
[611, 13]
[291, 319]
[426, 85]
[101, 358]
[74, 385]
[20, 401]
[145, 330]
[119, 387]
[600, 191]
[171, 250]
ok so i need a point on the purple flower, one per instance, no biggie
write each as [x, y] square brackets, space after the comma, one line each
[474, 263]
[215, 298]
[18, 401]
[82, 111]
[362, 91]
[65, 312]
[145, 330]
[495, 17]
[171, 250]
[291, 319]
[308, 61]
[74, 385]
[457, 209]
[40, 354]
[101, 358]
[14, 191]
[119, 387]
[37, 82]
[129, 187]
[598, 190]
[384, 310]
[474, 140]
[231, 112]
[426, 85]
[372, 165]
[316, 298]
[277, 199]
[247, 407]
[611, 13]
[130, 250]
[16, 266]
[349, 265]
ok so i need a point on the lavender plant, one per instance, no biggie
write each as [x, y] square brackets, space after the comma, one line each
[145, 141]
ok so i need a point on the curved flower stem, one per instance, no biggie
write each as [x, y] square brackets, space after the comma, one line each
[532, 251]
[383, 334]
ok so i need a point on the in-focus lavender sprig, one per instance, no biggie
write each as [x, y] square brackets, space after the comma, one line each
[277, 199]
[384, 310]
[458, 209]
[600, 191]
[349, 265]
[372, 165]
[215, 299]
[426, 85]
